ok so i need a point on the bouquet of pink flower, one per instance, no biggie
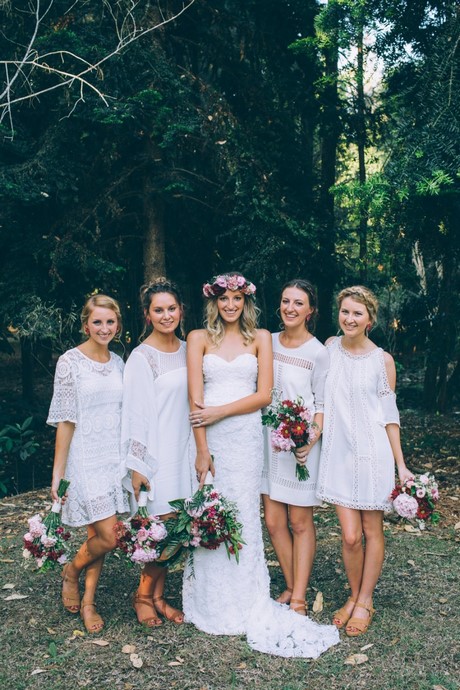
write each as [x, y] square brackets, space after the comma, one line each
[206, 519]
[139, 537]
[416, 499]
[46, 541]
[293, 427]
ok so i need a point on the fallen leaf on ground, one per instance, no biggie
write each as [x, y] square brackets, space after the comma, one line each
[318, 603]
[77, 633]
[356, 659]
[9, 585]
[128, 649]
[99, 643]
[273, 563]
[14, 597]
[438, 687]
[136, 660]
[6, 560]
[443, 600]
[241, 666]
[457, 525]
[412, 563]
[174, 663]
[36, 671]
[51, 631]
[366, 646]
[179, 659]
[411, 529]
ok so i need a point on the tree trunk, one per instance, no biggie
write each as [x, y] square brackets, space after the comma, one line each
[154, 241]
[361, 142]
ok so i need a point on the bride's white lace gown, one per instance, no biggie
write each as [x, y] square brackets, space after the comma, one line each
[221, 596]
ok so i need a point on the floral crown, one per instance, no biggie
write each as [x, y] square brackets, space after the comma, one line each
[219, 284]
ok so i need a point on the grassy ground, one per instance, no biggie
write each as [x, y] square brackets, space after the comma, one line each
[411, 645]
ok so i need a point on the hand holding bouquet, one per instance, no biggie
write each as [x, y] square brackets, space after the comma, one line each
[206, 519]
[293, 427]
[138, 538]
[46, 541]
[416, 499]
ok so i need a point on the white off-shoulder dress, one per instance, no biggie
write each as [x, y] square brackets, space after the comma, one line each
[357, 468]
[89, 394]
[297, 371]
[155, 426]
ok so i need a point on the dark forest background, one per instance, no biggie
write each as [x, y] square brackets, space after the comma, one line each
[282, 139]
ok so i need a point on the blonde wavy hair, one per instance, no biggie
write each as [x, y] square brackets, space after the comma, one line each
[362, 295]
[100, 301]
[215, 327]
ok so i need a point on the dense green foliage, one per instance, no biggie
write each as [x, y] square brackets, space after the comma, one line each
[231, 138]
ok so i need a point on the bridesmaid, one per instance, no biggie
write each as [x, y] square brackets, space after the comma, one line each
[361, 445]
[86, 409]
[155, 429]
[300, 364]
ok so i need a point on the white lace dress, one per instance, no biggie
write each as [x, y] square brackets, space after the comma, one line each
[297, 371]
[223, 597]
[155, 426]
[357, 468]
[89, 393]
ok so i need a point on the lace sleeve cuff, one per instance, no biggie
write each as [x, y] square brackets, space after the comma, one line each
[390, 411]
[139, 460]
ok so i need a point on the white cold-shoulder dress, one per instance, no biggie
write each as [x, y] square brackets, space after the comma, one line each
[89, 394]
[155, 425]
[297, 371]
[357, 468]
[221, 596]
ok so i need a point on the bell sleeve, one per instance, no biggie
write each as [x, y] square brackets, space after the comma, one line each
[387, 398]
[318, 381]
[139, 419]
[63, 406]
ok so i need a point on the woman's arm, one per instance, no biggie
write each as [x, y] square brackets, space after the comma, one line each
[204, 416]
[64, 434]
[392, 429]
[196, 343]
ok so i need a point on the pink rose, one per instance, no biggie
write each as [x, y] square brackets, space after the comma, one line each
[435, 494]
[47, 541]
[410, 483]
[28, 537]
[424, 479]
[250, 289]
[142, 535]
[62, 559]
[207, 290]
[221, 281]
[241, 281]
[420, 492]
[157, 531]
[232, 283]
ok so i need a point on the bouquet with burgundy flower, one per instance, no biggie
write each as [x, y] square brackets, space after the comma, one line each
[416, 499]
[293, 427]
[139, 537]
[46, 540]
[207, 519]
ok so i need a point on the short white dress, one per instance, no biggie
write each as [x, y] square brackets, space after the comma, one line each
[89, 394]
[297, 371]
[155, 425]
[357, 468]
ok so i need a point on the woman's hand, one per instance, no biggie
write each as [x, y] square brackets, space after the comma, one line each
[301, 454]
[137, 480]
[404, 474]
[54, 489]
[205, 416]
[203, 464]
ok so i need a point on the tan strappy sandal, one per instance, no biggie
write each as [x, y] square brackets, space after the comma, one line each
[302, 607]
[146, 600]
[70, 601]
[176, 617]
[342, 615]
[360, 625]
[91, 619]
[286, 589]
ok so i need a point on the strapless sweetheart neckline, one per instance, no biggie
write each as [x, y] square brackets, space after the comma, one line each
[229, 361]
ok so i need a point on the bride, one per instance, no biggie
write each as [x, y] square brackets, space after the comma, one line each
[230, 373]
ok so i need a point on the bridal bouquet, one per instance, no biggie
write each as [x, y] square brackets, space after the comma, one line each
[46, 541]
[139, 537]
[206, 519]
[293, 427]
[416, 499]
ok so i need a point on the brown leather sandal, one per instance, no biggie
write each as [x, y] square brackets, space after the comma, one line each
[146, 600]
[286, 589]
[298, 609]
[70, 595]
[360, 625]
[176, 617]
[342, 615]
[91, 619]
